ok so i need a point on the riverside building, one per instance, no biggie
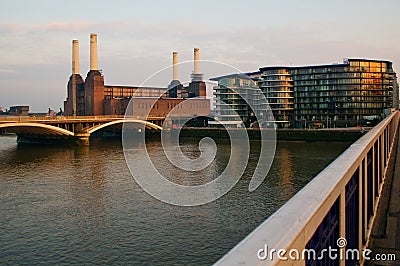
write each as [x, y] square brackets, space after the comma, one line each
[91, 97]
[235, 98]
[357, 92]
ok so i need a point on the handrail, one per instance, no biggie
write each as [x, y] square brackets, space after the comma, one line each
[295, 223]
[72, 118]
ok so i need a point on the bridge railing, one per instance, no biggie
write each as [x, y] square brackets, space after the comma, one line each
[337, 208]
[71, 118]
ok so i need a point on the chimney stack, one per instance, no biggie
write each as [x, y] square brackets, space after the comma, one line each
[175, 66]
[93, 52]
[196, 61]
[196, 75]
[75, 57]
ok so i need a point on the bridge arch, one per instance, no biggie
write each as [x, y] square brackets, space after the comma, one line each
[146, 123]
[35, 128]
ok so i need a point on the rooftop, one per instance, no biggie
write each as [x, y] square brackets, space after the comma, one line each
[345, 63]
[236, 75]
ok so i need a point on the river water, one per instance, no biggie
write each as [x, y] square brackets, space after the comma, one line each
[80, 205]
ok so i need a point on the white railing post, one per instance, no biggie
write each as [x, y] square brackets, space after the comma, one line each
[361, 209]
[365, 193]
[342, 221]
[373, 175]
[383, 143]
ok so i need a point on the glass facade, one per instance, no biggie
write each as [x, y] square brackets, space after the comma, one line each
[354, 93]
[277, 86]
[128, 92]
[234, 95]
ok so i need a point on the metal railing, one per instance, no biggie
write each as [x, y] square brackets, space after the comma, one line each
[72, 118]
[339, 203]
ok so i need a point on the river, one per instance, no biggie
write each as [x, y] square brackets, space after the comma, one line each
[80, 205]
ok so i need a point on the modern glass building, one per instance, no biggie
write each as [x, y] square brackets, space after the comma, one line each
[237, 98]
[356, 92]
[278, 87]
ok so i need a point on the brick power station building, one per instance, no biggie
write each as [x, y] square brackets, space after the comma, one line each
[92, 97]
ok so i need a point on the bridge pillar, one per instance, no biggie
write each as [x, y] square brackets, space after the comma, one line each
[82, 139]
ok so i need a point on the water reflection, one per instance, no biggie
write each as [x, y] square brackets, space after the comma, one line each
[285, 162]
[80, 204]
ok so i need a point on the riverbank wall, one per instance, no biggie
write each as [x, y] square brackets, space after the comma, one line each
[334, 134]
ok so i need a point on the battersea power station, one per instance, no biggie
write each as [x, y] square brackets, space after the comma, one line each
[92, 97]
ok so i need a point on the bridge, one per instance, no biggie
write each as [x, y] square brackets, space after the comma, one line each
[333, 219]
[76, 128]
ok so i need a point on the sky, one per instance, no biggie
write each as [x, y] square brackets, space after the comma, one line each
[136, 38]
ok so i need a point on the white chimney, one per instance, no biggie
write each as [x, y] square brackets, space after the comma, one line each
[75, 57]
[93, 52]
[196, 61]
[175, 66]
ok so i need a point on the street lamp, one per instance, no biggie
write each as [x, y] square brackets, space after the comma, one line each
[305, 123]
[327, 120]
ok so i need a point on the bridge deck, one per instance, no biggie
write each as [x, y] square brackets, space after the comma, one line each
[66, 128]
[385, 237]
[72, 119]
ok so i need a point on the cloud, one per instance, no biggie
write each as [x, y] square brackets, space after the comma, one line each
[51, 26]
[128, 40]
[7, 71]
[130, 50]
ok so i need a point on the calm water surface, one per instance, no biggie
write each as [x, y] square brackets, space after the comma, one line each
[80, 205]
